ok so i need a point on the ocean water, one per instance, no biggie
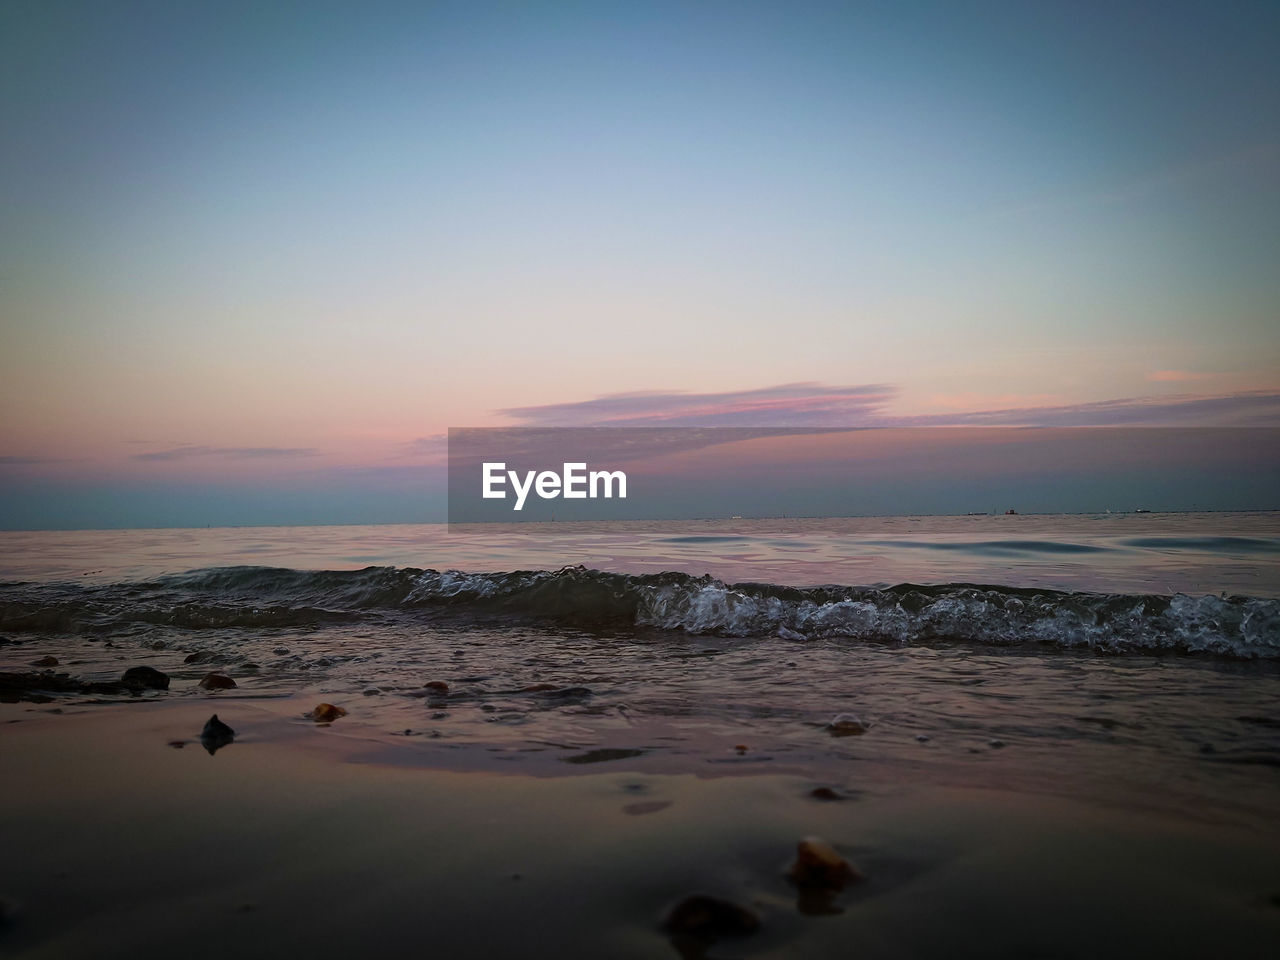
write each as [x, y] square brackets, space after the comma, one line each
[1136, 656]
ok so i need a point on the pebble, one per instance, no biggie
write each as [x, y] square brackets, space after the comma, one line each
[709, 918]
[846, 725]
[145, 678]
[217, 681]
[438, 686]
[326, 713]
[817, 864]
[922, 738]
[215, 735]
[45, 662]
[824, 793]
[995, 743]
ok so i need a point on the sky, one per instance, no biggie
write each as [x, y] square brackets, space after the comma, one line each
[256, 260]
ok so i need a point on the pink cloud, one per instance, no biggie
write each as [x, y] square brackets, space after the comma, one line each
[1175, 376]
[785, 405]
[816, 405]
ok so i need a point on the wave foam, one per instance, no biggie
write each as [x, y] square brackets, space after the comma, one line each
[258, 597]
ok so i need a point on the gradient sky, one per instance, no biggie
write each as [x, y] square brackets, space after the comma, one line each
[264, 255]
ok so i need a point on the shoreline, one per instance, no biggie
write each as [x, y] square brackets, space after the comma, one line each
[294, 840]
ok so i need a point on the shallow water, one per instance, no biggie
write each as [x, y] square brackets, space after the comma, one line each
[1130, 658]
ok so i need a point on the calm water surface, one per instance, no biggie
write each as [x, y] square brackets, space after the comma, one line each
[1114, 553]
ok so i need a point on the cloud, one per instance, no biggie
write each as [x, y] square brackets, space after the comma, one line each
[814, 405]
[1175, 376]
[228, 453]
[1240, 409]
[11, 461]
[785, 405]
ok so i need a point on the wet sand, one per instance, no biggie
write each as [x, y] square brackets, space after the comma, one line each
[302, 839]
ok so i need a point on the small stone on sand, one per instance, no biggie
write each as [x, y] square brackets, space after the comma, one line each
[846, 725]
[326, 713]
[45, 662]
[145, 678]
[995, 744]
[824, 793]
[439, 686]
[709, 918]
[215, 735]
[217, 681]
[817, 864]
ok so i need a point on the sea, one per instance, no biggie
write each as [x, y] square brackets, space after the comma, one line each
[1132, 657]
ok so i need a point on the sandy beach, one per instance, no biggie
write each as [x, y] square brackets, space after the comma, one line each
[125, 838]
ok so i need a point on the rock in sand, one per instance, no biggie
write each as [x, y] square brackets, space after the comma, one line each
[818, 865]
[216, 735]
[824, 793]
[326, 713]
[846, 725]
[707, 919]
[145, 678]
[217, 681]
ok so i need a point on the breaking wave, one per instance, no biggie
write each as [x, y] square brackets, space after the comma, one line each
[265, 598]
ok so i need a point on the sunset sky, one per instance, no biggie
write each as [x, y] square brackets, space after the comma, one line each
[256, 259]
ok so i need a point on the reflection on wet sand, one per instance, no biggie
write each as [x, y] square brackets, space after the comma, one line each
[248, 841]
